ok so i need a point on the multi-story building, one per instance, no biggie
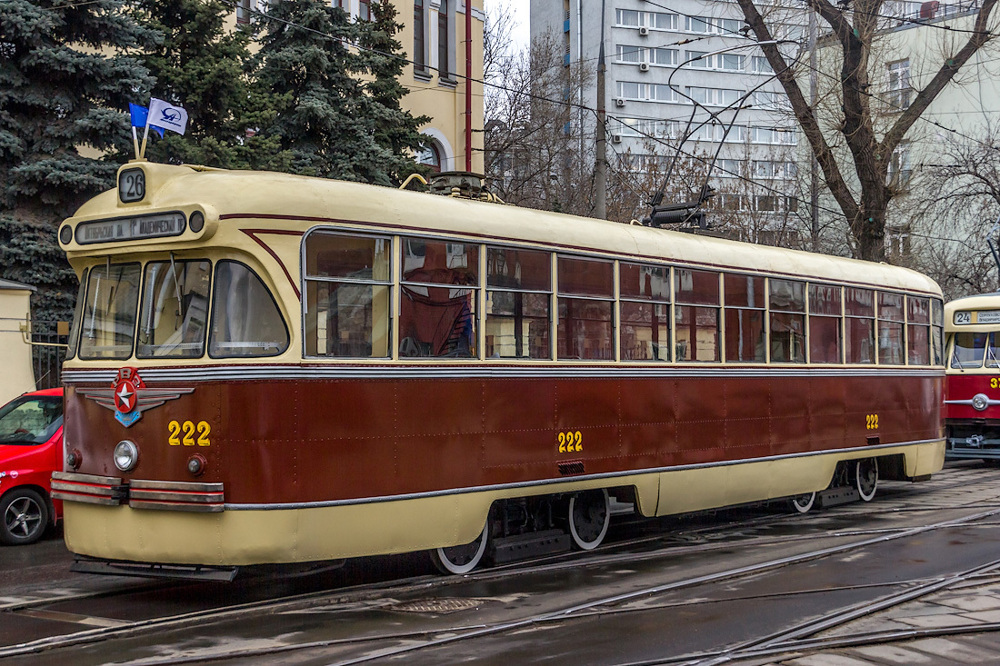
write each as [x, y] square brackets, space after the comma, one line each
[444, 75]
[684, 72]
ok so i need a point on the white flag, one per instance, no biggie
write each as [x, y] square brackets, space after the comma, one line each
[166, 115]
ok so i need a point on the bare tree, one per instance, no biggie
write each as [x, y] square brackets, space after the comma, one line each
[964, 176]
[863, 193]
[538, 152]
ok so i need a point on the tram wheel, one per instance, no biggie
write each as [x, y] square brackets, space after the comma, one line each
[804, 503]
[461, 559]
[25, 515]
[589, 517]
[866, 478]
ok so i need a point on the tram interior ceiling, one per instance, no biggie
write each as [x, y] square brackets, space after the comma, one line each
[328, 370]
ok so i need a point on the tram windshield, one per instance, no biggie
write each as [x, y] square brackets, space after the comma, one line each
[972, 349]
[109, 311]
[173, 312]
[174, 309]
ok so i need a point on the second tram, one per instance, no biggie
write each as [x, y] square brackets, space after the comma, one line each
[972, 391]
[271, 369]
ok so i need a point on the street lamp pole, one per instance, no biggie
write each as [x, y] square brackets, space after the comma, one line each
[601, 168]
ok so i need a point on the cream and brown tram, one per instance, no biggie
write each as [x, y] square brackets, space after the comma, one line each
[273, 369]
[972, 385]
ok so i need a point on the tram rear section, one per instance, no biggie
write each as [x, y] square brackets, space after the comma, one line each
[253, 381]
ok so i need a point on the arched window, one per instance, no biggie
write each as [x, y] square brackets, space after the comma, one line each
[430, 155]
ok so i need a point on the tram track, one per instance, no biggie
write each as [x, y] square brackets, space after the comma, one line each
[383, 595]
[368, 598]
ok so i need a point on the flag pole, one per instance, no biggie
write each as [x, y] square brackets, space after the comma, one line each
[145, 135]
[135, 142]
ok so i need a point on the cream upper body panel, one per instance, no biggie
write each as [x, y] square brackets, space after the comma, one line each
[234, 201]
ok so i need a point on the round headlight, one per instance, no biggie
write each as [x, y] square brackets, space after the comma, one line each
[126, 455]
[65, 234]
[980, 401]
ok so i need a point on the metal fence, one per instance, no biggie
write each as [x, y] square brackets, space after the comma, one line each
[48, 350]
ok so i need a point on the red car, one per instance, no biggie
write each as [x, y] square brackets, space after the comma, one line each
[31, 429]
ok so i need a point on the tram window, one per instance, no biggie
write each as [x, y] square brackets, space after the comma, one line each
[245, 319]
[745, 336]
[74, 335]
[347, 292]
[645, 312]
[825, 305]
[890, 328]
[968, 350]
[696, 315]
[788, 321]
[174, 309]
[937, 332]
[859, 305]
[518, 303]
[918, 330]
[108, 326]
[438, 307]
[586, 309]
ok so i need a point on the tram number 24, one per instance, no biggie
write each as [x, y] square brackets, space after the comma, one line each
[189, 433]
[570, 441]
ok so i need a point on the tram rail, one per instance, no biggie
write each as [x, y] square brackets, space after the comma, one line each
[385, 595]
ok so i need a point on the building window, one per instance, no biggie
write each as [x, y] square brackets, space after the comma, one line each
[444, 39]
[243, 11]
[430, 155]
[419, 56]
[899, 85]
[364, 10]
[898, 172]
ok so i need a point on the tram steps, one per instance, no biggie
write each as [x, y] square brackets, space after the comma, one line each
[835, 496]
[533, 544]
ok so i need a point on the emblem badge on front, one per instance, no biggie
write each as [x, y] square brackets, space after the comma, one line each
[129, 396]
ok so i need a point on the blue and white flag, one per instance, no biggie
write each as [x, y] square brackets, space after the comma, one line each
[139, 115]
[166, 115]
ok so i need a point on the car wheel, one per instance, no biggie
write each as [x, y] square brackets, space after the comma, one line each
[24, 515]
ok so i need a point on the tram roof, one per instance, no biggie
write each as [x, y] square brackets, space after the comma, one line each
[302, 202]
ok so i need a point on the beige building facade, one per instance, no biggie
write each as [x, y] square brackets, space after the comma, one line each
[444, 73]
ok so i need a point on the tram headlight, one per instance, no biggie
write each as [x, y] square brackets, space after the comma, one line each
[66, 234]
[980, 401]
[126, 455]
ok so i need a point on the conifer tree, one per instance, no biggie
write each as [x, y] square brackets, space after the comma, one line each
[201, 65]
[65, 83]
[333, 121]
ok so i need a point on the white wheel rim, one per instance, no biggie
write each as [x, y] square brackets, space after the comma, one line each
[804, 507]
[596, 541]
[867, 497]
[446, 562]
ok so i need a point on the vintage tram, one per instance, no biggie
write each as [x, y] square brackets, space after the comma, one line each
[267, 368]
[972, 384]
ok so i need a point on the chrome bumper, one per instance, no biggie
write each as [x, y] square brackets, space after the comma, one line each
[162, 495]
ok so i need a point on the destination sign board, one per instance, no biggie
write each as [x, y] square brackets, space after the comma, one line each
[977, 317]
[131, 228]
